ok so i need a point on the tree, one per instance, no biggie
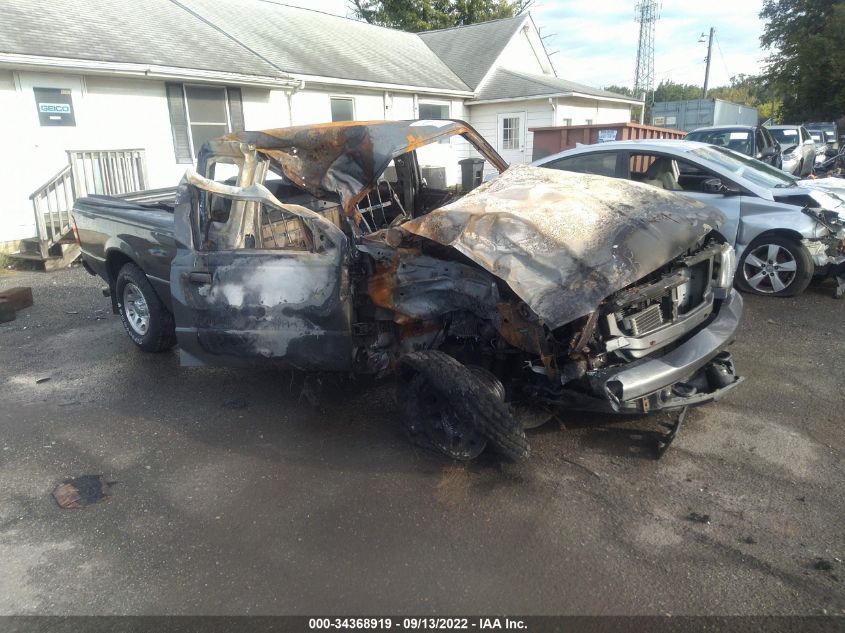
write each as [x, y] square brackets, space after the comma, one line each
[754, 91]
[806, 66]
[668, 90]
[620, 90]
[426, 15]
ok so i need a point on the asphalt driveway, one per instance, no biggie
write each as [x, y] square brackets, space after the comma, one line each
[236, 495]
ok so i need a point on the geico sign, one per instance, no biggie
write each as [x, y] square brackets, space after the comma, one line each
[61, 108]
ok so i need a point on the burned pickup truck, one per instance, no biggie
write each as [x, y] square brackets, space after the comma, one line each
[322, 248]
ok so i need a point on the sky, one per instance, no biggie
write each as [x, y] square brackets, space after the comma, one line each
[596, 42]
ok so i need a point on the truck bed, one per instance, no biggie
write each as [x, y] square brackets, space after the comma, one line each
[136, 226]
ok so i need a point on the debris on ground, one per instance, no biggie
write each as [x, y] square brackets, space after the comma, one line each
[79, 492]
[41, 379]
[822, 564]
[235, 403]
[749, 540]
[12, 301]
[699, 518]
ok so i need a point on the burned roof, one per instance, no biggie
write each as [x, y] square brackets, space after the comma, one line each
[344, 159]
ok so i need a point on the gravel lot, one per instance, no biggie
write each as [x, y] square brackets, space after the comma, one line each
[236, 496]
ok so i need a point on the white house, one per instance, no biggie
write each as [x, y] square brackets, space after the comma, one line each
[165, 75]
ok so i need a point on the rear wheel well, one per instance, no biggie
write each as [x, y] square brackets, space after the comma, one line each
[115, 260]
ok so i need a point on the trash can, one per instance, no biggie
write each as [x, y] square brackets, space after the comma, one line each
[472, 170]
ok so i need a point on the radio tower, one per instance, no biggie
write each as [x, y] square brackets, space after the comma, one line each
[647, 15]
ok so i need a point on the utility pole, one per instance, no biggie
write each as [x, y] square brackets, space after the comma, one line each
[709, 55]
[647, 16]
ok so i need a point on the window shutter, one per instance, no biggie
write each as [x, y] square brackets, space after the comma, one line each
[236, 109]
[179, 123]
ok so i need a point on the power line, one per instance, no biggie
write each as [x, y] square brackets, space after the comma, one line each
[724, 63]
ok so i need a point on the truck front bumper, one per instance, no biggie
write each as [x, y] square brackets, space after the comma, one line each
[697, 371]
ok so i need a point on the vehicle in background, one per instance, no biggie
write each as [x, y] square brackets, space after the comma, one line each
[692, 114]
[829, 134]
[323, 248]
[798, 150]
[833, 166]
[785, 231]
[751, 140]
[821, 146]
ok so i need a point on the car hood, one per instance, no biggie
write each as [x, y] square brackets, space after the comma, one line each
[828, 192]
[563, 241]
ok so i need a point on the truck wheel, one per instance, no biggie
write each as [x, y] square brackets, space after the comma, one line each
[776, 266]
[147, 322]
[456, 410]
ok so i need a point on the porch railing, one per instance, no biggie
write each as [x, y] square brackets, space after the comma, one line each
[106, 172]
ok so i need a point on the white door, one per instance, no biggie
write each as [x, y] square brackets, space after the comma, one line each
[511, 134]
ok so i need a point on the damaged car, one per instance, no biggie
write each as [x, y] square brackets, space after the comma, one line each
[322, 248]
[785, 230]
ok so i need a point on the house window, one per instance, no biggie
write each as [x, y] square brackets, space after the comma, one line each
[589, 121]
[200, 113]
[511, 132]
[567, 122]
[342, 109]
[434, 110]
[208, 115]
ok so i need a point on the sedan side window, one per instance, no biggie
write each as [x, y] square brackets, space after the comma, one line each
[668, 173]
[600, 164]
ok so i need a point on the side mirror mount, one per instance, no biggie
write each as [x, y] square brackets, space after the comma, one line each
[715, 185]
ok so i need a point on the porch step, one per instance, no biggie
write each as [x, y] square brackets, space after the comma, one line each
[70, 252]
[31, 246]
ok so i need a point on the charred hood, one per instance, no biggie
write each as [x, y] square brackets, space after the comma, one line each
[343, 160]
[563, 241]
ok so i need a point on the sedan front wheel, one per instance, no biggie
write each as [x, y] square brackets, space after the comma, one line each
[775, 266]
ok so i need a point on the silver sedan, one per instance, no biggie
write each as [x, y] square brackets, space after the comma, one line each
[784, 230]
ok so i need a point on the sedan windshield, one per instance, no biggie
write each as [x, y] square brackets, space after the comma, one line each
[752, 170]
[785, 136]
[737, 140]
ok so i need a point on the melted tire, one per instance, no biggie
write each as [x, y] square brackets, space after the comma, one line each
[161, 332]
[469, 397]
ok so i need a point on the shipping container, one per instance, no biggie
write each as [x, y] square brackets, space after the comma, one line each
[691, 115]
[551, 140]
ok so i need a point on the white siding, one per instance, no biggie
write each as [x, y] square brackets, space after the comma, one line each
[524, 53]
[265, 109]
[484, 118]
[579, 111]
[314, 105]
[110, 113]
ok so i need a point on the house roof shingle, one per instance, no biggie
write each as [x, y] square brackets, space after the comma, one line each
[264, 38]
[308, 42]
[470, 51]
[125, 31]
[509, 84]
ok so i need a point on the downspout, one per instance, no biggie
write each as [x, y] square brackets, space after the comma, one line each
[289, 94]
[387, 101]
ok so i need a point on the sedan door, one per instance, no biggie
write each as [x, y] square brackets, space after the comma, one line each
[691, 179]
